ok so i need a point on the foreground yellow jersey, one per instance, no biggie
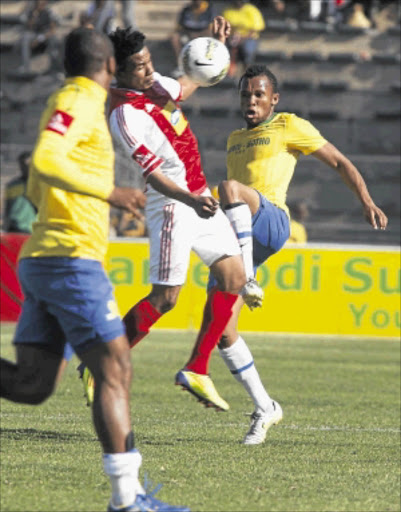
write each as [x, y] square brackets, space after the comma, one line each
[264, 157]
[72, 174]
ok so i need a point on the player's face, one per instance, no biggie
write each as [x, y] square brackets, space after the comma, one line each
[138, 72]
[257, 100]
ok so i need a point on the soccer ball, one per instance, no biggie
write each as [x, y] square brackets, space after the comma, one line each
[205, 60]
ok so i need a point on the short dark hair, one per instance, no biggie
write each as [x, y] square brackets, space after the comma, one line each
[126, 42]
[258, 70]
[85, 51]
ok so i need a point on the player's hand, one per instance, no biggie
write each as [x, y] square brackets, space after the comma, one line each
[221, 28]
[130, 199]
[375, 216]
[205, 206]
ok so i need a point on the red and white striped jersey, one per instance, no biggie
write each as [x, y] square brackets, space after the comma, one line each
[152, 129]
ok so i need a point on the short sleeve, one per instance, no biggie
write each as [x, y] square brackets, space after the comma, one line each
[302, 136]
[124, 123]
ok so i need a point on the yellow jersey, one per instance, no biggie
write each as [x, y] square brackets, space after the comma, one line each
[72, 174]
[264, 157]
[245, 20]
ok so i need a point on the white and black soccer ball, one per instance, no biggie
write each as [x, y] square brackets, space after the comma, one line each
[205, 60]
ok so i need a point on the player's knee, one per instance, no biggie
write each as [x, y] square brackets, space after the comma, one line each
[165, 299]
[35, 395]
[228, 188]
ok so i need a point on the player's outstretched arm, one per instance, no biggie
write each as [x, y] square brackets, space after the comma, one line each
[331, 156]
[204, 206]
[127, 198]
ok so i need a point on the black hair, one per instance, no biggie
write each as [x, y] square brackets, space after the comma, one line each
[85, 51]
[126, 42]
[258, 70]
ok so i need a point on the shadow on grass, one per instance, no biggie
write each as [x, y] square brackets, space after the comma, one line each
[22, 434]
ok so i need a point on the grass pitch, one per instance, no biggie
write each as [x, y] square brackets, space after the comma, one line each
[337, 448]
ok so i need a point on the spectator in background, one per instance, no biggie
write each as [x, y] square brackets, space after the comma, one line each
[194, 20]
[299, 213]
[19, 213]
[100, 15]
[128, 12]
[358, 17]
[246, 25]
[129, 226]
[39, 35]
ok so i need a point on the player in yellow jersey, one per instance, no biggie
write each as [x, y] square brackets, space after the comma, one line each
[68, 296]
[261, 159]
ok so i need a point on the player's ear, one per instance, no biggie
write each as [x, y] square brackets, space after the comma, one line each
[275, 98]
[111, 65]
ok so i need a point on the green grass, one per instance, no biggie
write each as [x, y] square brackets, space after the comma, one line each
[337, 449]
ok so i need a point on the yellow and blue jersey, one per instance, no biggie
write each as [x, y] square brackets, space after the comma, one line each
[72, 174]
[264, 157]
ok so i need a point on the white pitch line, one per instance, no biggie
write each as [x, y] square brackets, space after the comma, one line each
[333, 428]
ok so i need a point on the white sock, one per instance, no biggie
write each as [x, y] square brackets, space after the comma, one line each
[123, 469]
[240, 218]
[239, 360]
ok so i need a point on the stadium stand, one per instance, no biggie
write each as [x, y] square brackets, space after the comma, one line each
[345, 79]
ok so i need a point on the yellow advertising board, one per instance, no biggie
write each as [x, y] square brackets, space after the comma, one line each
[312, 289]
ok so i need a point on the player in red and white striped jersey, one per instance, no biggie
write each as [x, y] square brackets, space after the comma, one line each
[147, 123]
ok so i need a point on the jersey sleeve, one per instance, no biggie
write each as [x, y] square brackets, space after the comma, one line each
[302, 136]
[132, 131]
[70, 124]
[168, 85]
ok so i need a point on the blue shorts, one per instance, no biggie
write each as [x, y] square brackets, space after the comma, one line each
[270, 231]
[67, 300]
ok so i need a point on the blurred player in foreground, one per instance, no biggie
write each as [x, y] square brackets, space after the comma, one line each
[68, 297]
[261, 159]
[147, 122]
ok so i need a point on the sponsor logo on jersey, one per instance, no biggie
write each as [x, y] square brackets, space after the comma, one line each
[264, 141]
[175, 117]
[142, 156]
[59, 122]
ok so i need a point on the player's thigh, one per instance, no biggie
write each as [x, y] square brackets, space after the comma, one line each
[74, 295]
[36, 325]
[215, 239]
[87, 310]
[171, 233]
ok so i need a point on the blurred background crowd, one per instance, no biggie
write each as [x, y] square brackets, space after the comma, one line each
[337, 61]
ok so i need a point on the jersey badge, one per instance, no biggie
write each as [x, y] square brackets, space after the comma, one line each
[142, 156]
[59, 122]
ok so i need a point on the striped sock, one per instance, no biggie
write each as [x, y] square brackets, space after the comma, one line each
[240, 362]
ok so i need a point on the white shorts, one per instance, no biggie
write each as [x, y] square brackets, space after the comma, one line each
[174, 229]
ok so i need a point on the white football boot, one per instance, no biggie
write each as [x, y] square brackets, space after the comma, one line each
[260, 424]
[252, 294]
